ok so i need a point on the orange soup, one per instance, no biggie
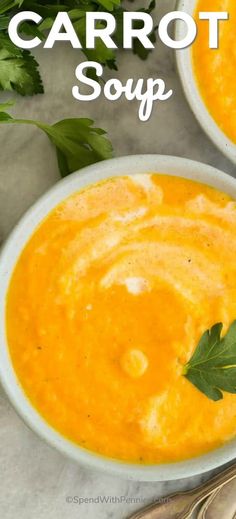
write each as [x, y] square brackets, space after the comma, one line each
[215, 68]
[108, 301]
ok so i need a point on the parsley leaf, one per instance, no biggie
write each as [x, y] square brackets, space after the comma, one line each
[78, 143]
[138, 48]
[101, 53]
[6, 5]
[109, 5]
[4, 22]
[212, 368]
[18, 69]
[4, 116]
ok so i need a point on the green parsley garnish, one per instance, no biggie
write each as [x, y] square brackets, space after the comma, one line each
[78, 143]
[212, 368]
[19, 70]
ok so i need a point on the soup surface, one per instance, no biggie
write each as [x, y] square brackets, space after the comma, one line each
[215, 68]
[107, 303]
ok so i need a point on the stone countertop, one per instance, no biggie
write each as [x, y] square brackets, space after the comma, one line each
[35, 480]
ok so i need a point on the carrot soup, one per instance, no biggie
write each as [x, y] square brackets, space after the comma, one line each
[215, 68]
[107, 303]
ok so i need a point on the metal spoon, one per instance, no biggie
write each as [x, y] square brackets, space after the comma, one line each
[221, 504]
[182, 504]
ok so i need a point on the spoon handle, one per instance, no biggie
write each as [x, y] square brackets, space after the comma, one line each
[182, 504]
[221, 504]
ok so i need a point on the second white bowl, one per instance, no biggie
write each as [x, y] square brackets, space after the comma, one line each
[189, 82]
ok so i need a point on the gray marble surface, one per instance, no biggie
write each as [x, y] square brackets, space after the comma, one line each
[35, 480]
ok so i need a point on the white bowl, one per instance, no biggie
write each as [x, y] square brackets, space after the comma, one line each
[189, 83]
[8, 258]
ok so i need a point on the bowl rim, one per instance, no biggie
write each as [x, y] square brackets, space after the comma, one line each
[192, 92]
[10, 252]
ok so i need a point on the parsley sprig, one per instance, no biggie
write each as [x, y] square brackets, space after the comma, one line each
[212, 368]
[19, 70]
[78, 143]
